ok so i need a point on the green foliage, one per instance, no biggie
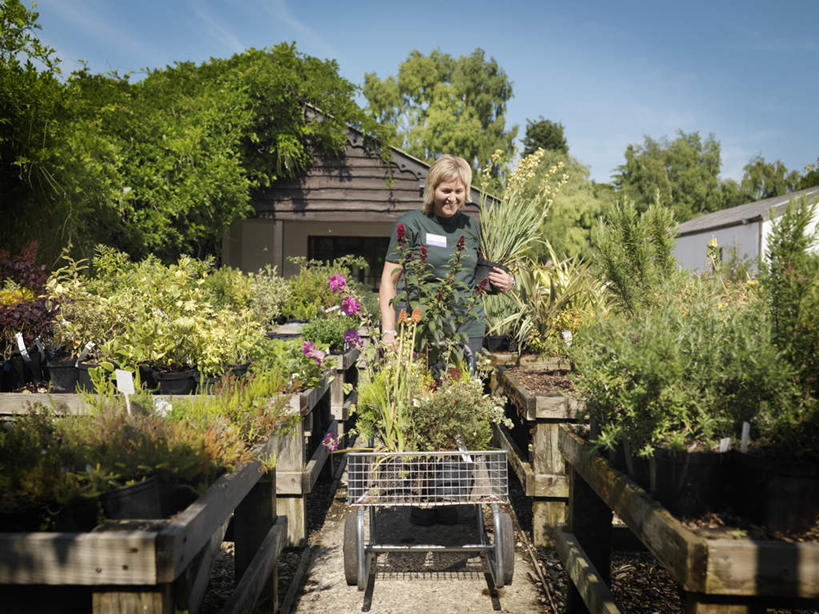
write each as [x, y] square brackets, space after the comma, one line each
[790, 279]
[439, 104]
[681, 174]
[766, 179]
[163, 165]
[329, 331]
[635, 251]
[684, 369]
[576, 208]
[510, 229]
[270, 294]
[544, 134]
[456, 412]
[549, 300]
[310, 293]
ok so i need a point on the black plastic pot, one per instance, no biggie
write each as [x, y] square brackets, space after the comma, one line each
[453, 480]
[147, 377]
[140, 500]
[780, 493]
[499, 343]
[63, 375]
[177, 382]
[83, 377]
[482, 271]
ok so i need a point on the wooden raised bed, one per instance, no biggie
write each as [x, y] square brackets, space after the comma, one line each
[300, 457]
[345, 369]
[540, 468]
[718, 575]
[154, 566]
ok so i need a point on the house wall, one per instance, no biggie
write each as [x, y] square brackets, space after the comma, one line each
[296, 233]
[252, 244]
[812, 228]
[690, 249]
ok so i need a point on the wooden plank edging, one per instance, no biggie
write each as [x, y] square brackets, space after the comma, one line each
[591, 587]
[255, 578]
[682, 552]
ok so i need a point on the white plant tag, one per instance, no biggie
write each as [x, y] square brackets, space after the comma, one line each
[125, 384]
[746, 435]
[88, 347]
[724, 444]
[39, 343]
[125, 381]
[436, 240]
[21, 345]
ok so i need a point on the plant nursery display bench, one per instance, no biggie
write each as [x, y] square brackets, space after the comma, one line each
[426, 479]
[152, 566]
[532, 444]
[730, 574]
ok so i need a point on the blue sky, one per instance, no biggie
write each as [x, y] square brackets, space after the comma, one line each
[745, 71]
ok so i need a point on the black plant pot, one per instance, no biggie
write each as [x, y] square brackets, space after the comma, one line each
[498, 343]
[83, 376]
[482, 271]
[140, 500]
[63, 375]
[147, 377]
[178, 382]
[453, 480]
[780, 493]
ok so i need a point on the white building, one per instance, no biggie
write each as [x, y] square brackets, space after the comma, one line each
[742, 230]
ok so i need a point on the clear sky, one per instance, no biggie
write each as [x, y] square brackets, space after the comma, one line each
[746, 71]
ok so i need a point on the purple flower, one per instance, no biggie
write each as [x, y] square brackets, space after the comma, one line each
[351, 338]
[401, 233]
[310, 350]
[337, 282]
[350, 306]
[330, 442]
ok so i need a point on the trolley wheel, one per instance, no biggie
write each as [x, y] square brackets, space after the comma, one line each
[350, 549]
[505, 542]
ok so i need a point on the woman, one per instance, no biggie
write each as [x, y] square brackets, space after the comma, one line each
[438, 225]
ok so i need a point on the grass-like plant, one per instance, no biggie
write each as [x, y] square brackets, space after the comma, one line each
[510, 228]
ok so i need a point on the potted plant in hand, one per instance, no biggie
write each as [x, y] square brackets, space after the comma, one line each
[510, 227]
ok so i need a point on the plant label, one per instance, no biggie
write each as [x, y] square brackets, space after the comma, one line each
[40, 346]
[724, 444]
[21, 345]
[125, 381]
[746, 435]
[88, 347]
[434, 240]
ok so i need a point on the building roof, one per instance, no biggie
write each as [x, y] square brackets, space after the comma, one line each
[743, 214]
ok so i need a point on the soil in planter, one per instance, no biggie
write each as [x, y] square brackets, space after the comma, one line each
[542, 382]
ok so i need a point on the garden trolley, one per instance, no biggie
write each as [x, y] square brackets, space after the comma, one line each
[427, 479]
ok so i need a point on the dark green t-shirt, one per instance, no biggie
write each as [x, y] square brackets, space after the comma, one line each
[440, 236]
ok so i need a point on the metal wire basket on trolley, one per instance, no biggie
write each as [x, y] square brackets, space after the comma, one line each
[427, 479]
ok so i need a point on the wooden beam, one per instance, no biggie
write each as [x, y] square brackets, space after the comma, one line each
[78, 558]
[258, 573]
[682, 552]
[590, 585]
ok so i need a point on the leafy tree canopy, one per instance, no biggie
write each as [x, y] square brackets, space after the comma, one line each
[162, 165]
[681, 174]
[440, 104]
[546, 134]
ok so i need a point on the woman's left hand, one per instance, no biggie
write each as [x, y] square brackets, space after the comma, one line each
[502, 280]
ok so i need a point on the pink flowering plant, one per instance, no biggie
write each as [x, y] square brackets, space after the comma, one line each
[445, 304]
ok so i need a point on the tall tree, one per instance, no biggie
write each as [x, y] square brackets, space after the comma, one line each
[546, 134]
[767, 179]
[683, 173]
[439, 104]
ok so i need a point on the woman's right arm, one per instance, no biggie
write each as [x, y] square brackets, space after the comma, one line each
[386, 292]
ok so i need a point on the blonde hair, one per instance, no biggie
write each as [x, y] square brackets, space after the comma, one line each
[446, 168]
